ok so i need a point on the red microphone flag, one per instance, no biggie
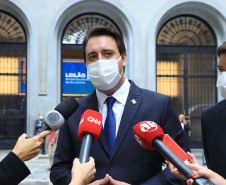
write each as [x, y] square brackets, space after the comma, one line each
[145, 132]
[91, 123]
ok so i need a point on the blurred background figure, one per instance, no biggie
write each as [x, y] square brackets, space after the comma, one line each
[51, 143]
[185, 126]
[38, 126]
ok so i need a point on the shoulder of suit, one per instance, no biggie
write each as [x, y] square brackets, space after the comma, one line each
[147, 92]
[153, 94]
[215, 107]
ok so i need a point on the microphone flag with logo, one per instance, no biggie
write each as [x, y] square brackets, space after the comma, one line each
[150, 135]
[145, 132]
[89, 131]
[91, 123]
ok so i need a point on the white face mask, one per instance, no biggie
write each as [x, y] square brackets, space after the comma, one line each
[40, 117]
[104, 74]
[221, 83]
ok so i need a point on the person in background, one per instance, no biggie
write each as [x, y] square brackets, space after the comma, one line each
[38, 126]
[185, 126]
[213, 122]
[12, 168]
[51, 143]
[199, 171]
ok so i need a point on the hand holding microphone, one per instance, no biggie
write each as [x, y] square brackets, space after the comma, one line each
[149, 135]
[27, 149]
[89, 131]
[199, 171]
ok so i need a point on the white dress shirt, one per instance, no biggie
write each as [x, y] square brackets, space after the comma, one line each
[121, 96]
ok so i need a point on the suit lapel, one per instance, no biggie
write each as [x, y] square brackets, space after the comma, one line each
[132, 103]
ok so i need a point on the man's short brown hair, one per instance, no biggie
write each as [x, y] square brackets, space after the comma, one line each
[101, 30]
[221, 49]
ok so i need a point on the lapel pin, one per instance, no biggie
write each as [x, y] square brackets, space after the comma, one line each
[133, 101]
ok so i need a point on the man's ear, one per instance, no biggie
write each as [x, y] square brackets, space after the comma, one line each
[84, 62]
[124, 56]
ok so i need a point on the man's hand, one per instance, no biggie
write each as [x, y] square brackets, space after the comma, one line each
[115, 182]
[102, 181]
[27, 149]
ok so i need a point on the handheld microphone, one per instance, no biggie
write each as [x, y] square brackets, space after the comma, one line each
[55, 119]
[89, 131]
[149, 135]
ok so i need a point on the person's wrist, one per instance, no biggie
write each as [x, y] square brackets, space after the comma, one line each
[76, 181]
[18, 154]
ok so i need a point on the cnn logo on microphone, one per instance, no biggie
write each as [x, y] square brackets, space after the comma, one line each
[94, 120]
[148, 126]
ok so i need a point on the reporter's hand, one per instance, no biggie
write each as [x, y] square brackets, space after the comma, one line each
[101, 181]
[115, 182]
[82, 174]
[27, 149]
[176, 172]
[204, 172]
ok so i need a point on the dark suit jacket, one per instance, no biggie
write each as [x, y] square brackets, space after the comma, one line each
[214, 137]
[12, 170]
[129, 161]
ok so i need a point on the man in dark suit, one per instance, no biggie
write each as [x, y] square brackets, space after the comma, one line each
[123, 105]
[213, 122]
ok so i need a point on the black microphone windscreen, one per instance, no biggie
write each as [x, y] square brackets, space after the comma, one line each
[67, 107]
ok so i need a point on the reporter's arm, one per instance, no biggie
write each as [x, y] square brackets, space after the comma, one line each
[207, 173]
[12, 168]
[199, 171]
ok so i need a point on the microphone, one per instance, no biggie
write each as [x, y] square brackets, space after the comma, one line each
[150, 135]
[89, 131]
[55, 119]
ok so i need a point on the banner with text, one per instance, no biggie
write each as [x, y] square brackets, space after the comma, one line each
[75, 79]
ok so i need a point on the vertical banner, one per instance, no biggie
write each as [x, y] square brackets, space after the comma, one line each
[75, 79]
[22, 77]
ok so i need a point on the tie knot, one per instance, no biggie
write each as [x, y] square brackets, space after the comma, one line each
[110, 102]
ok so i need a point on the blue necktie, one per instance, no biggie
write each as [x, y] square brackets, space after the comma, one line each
[110, 125]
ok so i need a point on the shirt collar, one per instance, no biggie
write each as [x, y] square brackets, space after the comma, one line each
[120, 95]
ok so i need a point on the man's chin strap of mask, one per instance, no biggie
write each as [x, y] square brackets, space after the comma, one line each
[122, 66]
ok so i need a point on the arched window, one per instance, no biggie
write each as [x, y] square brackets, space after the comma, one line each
[13, 75]
[186, 68]
[74, 75]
